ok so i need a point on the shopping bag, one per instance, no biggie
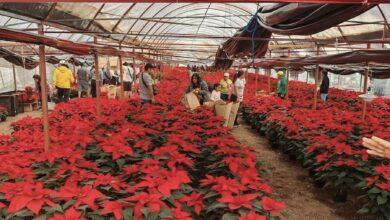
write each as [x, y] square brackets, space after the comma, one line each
[191, 101]
[233, 114]
[223, 110]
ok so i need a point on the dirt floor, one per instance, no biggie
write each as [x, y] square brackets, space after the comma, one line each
[5, 127]
[292, 184]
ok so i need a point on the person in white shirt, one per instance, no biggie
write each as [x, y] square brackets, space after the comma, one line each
[239, 85]
[128, 80]
[216, 94]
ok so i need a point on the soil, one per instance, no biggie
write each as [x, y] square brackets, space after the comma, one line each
[292, 184]
[5, 126]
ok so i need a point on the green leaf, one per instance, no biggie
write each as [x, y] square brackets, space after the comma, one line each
[229, 216]
[211, 194]
[257, 205]
[215, 205]
[381, 200]
[128, 214]
[364, 210]
[165, 213]
[374, 190]
[152, 216]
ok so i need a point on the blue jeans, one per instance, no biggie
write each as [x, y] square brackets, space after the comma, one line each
[145, 101]
[324, 96]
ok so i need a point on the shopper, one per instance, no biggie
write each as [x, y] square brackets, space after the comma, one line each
[216, 93]
[128, 80]
[106, 76]
[324, 88]
[239, 85]
[38, 88]
[147, 89]
[226, 87]
[83, 80]
[199, 87]
[281, 88]
[93, 80]
[62, 79]
[377, 147]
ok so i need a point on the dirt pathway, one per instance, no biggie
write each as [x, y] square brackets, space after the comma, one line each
[292, 184]
[5, 127]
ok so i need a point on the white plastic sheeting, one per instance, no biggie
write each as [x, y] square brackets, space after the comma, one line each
[23, 76]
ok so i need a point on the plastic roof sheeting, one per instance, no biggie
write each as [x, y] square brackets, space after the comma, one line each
[159, 25]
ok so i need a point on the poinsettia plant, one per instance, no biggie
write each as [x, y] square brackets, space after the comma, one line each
[327, 141]
[157, 162]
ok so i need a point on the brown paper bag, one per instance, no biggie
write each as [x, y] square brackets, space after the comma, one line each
[111, 92]
[233, 114]
[191, 101]
[224, 111]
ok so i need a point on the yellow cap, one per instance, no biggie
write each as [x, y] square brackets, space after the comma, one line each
[280, 73]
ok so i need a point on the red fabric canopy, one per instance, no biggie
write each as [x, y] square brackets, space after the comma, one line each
[65, 45]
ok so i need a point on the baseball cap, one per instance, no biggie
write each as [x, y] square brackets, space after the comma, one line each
[62, 62]
[149, 66]
[280, 73]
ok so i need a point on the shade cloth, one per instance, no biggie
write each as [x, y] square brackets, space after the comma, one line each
[287, 19]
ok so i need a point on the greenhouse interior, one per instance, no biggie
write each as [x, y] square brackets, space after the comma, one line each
[232, 110]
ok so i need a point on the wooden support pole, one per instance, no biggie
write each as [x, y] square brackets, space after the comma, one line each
[120, 66]
[42, 73]
[288, 75]
[307, 77]
[269, 75]
[14, 74]
[316, 81]
[257, 76]
[365, 86]
[98, 83]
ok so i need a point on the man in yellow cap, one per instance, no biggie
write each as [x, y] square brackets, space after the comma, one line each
[281, 88]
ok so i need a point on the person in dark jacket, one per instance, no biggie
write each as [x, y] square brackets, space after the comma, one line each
[199, 87]
[324, 88]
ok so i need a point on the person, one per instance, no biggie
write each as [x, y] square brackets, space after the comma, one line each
[62, 79]
[128, 80]
[377, 147]
[226, 87]
[83, 80]
[93, 80]
[216, 93]
[106, 76]
[281, 88]
[324, 88]
[239, 85]
[146, 84]
[199, 87]
[38, 88]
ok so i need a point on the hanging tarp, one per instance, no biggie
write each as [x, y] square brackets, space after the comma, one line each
[66, 45]
[25, 62]
[288, 19]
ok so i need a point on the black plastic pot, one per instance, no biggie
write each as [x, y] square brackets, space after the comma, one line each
[340, 196]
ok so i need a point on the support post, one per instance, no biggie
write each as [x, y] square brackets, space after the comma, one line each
[45, 112]
[121, 74]
[365, 86]
[316, 81]
[287, 75]
[269, 75]
[257, 76]
[97, 76]
[14, 74]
